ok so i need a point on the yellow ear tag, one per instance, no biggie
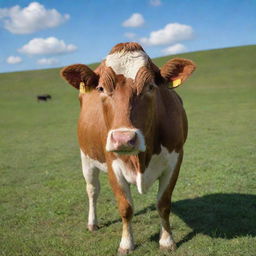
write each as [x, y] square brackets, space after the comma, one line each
[176, 83]
[83, 88]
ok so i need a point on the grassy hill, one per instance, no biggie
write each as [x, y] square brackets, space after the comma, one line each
[43, 200]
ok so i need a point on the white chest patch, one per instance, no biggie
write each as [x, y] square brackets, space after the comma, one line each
[122, 172]
[161, 167]
[127, 63]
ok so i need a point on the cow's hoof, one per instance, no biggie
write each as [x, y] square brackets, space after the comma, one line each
[122, 251]
[93, 227]
[172, 247]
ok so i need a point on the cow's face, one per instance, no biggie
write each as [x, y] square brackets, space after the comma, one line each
[128, 83]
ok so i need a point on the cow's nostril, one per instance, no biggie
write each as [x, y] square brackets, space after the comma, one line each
[133, 140]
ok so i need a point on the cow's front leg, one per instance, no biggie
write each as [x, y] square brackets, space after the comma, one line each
[121, 189]
[166, 185]
[91, 175]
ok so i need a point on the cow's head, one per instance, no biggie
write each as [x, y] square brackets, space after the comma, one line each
[128, 84]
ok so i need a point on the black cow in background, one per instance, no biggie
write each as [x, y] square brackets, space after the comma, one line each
[43, 97]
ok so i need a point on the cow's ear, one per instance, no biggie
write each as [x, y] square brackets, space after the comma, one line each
[177, 70]
[80, 74]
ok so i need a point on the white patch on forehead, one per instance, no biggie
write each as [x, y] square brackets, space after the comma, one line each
[127, 63]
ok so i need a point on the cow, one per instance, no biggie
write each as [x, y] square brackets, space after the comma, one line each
[133, 126]
[43, 97]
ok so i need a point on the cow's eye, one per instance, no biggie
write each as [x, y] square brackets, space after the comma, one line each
[151, 87]
[100, 88]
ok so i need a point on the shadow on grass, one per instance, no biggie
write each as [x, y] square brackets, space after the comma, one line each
[216, 215]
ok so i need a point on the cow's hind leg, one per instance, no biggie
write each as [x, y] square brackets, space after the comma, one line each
[166, 185]
[91, 175]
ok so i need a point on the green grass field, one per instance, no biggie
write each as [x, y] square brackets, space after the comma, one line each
[43, 198]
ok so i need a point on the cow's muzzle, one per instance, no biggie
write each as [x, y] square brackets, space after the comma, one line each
[125, 141]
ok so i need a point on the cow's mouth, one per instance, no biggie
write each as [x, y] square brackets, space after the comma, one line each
[126, 152]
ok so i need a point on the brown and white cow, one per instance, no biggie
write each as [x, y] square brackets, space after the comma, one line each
[132, 126]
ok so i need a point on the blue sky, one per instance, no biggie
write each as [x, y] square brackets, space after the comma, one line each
[52, 33]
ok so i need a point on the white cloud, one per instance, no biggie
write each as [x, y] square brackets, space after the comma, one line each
[136, 20]
[171, 33]
[155, 2]
[47, 46]
[30, 19]
[130, 35]
[14, 60]
[48, 61]
[174, 49]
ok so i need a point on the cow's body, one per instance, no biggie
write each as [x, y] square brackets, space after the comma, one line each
[169, 136]
[43, 97]
[132, 127]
